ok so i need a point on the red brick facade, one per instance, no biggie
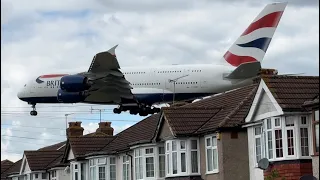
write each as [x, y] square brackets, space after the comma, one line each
[290, 170]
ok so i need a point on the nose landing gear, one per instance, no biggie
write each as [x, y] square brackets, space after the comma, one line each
[33, 112]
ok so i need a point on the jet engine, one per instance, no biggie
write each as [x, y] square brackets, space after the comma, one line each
[70, 97]
[74, 83]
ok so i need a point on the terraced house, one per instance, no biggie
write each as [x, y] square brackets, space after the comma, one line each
[209, 139]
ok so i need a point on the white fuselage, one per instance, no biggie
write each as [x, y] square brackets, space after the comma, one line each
[191, 81]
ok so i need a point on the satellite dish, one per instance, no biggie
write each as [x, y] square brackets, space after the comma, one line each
[308, 177]
[67, 169]
[263, 164]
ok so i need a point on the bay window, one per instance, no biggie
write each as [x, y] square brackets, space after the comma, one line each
[92, 168]
[100, 168]
[181, 157]
[279, 138]
[149, 155]
[211, 154]
[315, 127]
[138, 163]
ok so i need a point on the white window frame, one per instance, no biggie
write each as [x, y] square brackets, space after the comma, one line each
[108, 175]
[198, 156]
[158, 161]
[292, 128]
[53, 175]
[212, 147]
[125, 167]
[137, 166]
[308, 127]
[149, 155]
[74, 171]
[258, 136]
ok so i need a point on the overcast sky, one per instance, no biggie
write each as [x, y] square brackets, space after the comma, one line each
[61, 36]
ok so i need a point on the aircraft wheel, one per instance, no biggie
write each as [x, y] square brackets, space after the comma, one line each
[33, 113]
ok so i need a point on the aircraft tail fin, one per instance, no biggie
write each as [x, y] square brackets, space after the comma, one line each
[253, 43]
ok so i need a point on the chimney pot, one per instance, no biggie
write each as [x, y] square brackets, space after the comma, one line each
[105, 127]
[74, 129]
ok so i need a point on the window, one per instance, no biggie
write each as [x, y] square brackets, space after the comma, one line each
[289, 121]
[183, 156]
[149, 162]
[125, 167]
[194, 156]
[162, 162]
[36, 176]
[102, 173]
[304, 140]
[92, 168]
[112, 170]
[315, 125]
[212, 154]
[83, 171]
[54, 175]
[174, 158]
[44, 175]
[269, 139]
[258, 144]
[75, 172]
[138, 164]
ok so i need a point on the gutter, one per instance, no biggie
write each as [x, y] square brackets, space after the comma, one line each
[131, 165]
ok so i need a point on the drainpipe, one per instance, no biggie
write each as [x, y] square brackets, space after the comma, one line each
[131, 165]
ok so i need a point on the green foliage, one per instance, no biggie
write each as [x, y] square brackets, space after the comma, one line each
[274, 175]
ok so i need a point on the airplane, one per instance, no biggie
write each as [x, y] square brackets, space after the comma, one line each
[139, 89]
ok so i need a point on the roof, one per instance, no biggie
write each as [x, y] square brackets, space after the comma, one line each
[54, 147]
[143, 131]
[223, 110]
[291, 92]
[41, 160]
[88, 144]
[15, 168]
[5, 165]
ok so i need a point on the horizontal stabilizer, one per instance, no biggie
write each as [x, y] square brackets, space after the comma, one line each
[245, 70]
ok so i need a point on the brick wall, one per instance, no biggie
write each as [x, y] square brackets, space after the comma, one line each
[291, 169]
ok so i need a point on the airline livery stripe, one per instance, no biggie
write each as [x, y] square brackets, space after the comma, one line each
[261, 43]
[52, 75]
[235, 60]
[271, 8]
[256, 53]
[259, 33]
[270, 20]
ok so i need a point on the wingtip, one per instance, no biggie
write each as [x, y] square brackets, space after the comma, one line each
[113, 50]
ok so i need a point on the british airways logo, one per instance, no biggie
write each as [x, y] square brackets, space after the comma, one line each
[52, 82]
[38, 80]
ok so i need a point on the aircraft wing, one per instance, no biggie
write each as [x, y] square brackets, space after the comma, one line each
[108, 82]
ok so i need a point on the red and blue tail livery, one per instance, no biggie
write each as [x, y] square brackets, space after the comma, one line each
[253, 43]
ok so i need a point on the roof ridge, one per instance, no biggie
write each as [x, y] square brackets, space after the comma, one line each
[235, 110]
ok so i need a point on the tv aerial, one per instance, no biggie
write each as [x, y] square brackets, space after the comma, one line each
[263, 164]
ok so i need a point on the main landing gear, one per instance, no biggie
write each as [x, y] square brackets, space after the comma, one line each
[33, 112]
[142, 110]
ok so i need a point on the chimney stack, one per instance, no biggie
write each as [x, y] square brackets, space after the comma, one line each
[75, 129]
[105, 127]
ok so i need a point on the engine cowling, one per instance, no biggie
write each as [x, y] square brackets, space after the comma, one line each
[70, 97]
[74, 83]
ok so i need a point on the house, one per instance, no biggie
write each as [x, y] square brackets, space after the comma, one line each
[194, 141]
[13, 169]
[5, 165]
[280, 128]
[35, 164]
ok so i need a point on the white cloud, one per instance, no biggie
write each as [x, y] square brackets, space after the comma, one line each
[62, 37]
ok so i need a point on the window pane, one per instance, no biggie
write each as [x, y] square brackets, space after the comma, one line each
[194, 144]
[194, 161]
[76, 176]
[290, 142]
[149, 167]
[168, 146]
[161, 150]
[102, 173]
[208, 141]
[304, 141]
[168, 164]
[258, 149]
[278, 138]
[174, 145]
[83, 171]
[316, 115]
[268, 123]
[209, 159]
[277, 122]
[183, 162]
[317, 137]
[257, 130]
[270, 149]
[215, 159]
[112, 172]
[174, 163]
[289, 121]
[162, 165]
[214, 141]
[182, 145]
[303, 120]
